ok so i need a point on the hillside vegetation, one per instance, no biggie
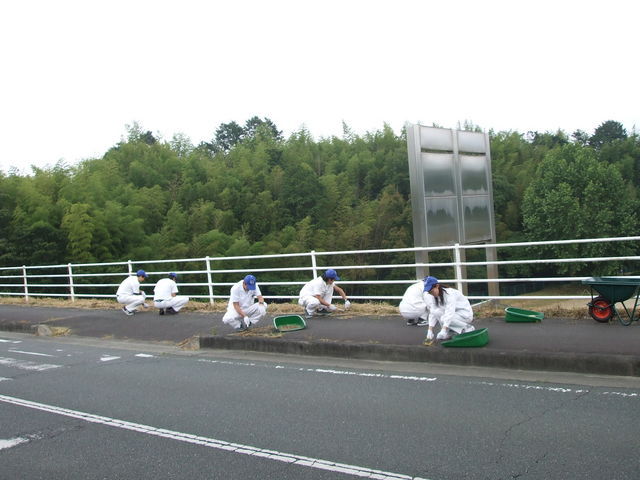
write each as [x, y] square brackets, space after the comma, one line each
[250, 191]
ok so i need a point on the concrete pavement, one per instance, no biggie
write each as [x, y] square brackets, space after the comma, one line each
[555, 344]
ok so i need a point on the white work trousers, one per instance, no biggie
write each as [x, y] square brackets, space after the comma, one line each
[410, 312]
[132, 302]
[176, 302]
[458, 323]
[255, 312]
[311, 304]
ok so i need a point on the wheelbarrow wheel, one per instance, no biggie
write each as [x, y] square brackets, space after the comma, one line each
[601, 309]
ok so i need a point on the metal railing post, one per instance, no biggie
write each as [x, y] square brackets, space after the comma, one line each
[458, 266]
[314, 266]
[26, 285]
[129, 267]
[209, 283]
[71, 290]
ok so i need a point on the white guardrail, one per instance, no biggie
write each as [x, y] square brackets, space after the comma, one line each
[209, 278]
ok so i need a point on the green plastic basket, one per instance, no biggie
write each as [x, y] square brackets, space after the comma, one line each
[289, 323]
[513, 314]
[477, 338]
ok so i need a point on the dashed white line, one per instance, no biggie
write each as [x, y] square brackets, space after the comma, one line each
[144, 355]
[293, 459]
[2, 379]
[12, 442]
[32, 353]
[327, 371]
[520, 386]
[3, 340]
[108, 358]
[25, 365]
[622, 394]
[534, 387]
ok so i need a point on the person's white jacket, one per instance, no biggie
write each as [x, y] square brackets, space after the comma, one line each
[166, 295]
[456, 312]
[414, 302]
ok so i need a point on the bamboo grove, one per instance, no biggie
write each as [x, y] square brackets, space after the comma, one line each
[251, 191]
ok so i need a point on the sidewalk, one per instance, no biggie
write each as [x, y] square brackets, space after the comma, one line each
[555, 344]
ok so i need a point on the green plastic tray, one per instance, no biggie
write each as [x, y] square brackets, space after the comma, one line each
[513, 314]
[289, 323]
[477, 338]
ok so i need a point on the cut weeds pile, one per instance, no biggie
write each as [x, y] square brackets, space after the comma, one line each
[551, 308]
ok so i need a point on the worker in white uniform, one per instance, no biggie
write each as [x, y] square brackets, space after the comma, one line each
[448, 307]
[129, 293]
[316, 295]
[243, 311]
[413, 306]
[165, 296]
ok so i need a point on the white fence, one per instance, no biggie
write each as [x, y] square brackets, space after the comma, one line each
[281, 276]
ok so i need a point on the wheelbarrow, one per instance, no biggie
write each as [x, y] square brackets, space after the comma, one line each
[612, 290]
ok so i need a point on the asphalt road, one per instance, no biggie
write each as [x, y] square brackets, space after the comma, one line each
[75, 408]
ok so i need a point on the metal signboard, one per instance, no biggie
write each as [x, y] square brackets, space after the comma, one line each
[451, 193]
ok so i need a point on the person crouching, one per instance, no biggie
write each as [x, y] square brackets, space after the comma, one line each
[243, 311]
[450, 308]
[165, 296]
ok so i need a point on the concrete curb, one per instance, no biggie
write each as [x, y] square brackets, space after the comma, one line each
[18, 327]
[623, 365]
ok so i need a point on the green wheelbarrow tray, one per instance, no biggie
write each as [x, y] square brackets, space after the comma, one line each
[289, 323]
[513, 314]
[477, 338]
[614, 289]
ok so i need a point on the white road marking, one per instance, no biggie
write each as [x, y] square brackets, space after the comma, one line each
[2, 379]
[25, 365]
[107, 358]
[622, 394]
[317, 463]
[534, 387]
[328, 371]
[558, 389]
[144, 355]
[521, 386]
[12, 442]
[32, 353]
[2, 340]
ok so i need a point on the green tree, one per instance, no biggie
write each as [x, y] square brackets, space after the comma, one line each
[256, 126]
[79, 226]
[571, 197]
[227, 136]
[607, 132]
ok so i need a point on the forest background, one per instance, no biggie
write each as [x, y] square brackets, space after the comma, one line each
[249, 191]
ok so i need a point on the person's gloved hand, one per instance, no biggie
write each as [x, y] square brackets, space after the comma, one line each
[332, 308]
[443, 334]
[430, 335]
[247, 322]
[347, 304]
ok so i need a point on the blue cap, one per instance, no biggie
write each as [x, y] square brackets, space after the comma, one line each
[429, 283]
[142, 273]
[250, 282]
[331, 273]
[173, 275]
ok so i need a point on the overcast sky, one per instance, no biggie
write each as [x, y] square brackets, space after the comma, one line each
[73, 74]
